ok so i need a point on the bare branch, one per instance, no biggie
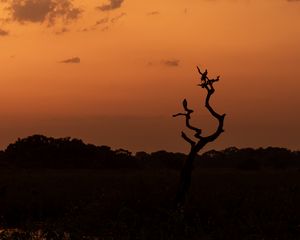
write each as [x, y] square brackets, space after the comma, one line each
[179, 114]
[208, 85]
[187, 119]
[186, 138]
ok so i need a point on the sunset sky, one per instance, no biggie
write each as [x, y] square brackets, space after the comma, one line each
[112, 72]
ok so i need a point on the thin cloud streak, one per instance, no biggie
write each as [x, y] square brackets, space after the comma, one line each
[71, 60]
[171, 63]
[117, 18]
[102, 21]
[153, 13]
[104, 24]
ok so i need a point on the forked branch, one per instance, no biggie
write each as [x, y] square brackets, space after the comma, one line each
[207, 84]
[187, 115]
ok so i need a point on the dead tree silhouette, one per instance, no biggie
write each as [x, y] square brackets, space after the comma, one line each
[196, 146]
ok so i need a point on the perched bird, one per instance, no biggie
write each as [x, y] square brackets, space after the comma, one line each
[184, 103]
[204, 75]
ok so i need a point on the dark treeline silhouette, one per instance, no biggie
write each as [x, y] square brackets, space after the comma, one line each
[39, 151]
[251, 159]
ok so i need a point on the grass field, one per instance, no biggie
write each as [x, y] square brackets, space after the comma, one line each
[137, 204]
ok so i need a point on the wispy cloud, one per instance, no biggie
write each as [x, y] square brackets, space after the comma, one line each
[3, 33]
[153, 13]
[116, 18]
[171, 63]
[102, 21]
[104, 24]
[71, 60]
[164, 63]
[113, 4]
[40, 11]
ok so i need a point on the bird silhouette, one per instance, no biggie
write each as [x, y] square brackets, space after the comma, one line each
[204, 75]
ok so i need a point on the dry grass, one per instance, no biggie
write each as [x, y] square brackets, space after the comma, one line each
[125, 204]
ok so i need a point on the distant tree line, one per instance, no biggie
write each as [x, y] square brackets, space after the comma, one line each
[39, 151]
[252, 159]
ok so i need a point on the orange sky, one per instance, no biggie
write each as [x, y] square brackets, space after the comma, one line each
[137, 63]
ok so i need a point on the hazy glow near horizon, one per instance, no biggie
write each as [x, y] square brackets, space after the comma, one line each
[113, 72]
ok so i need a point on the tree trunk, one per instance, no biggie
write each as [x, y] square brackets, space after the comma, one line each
[196, 146]
[185, 179]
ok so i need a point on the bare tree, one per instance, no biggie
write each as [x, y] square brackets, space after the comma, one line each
[201, 141]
